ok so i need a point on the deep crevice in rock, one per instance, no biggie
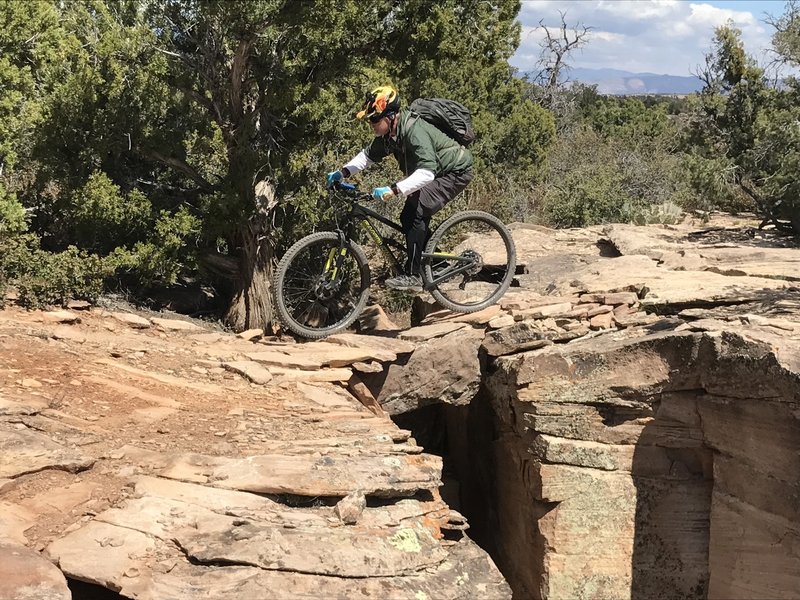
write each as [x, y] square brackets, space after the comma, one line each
[88, 591]
[462, 436]
[650, 482]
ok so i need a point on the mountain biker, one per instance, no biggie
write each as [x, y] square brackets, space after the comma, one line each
[437, 169]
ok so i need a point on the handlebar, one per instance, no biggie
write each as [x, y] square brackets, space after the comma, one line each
[350, 190]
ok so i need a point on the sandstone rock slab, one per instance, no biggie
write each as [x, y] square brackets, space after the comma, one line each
[308, 475]
[595, 455]
[25, 575]
[394, 549]
[29, 406]
[60, 316]
[466, 573]
[519, 337]
[175, 325]
[14, 520]
[23, 451]
[374, 318]
[250, 370]
[103, 554]
[350, 508]
[750, 555]
[321, 354]
[390, 344]
[501, 321]
[444, 370]
[67, 332]
[686, 249]
[132, 320]
[283, 359]
[424, 333]
[250, 334]
[481, 317]
[285, 374]
[667, 291]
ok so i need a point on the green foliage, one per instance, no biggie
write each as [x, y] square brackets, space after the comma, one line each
[103, 218]
[786, 39]
[31, 41]
[667, 213]
[41, 278]
[622, 165]
[628, 118]
[713, 179]
[521, 140]
[12, 223]
[163, 256]
[12, 215]
[743, 141]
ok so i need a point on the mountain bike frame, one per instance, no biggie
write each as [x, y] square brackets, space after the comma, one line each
[361, 215]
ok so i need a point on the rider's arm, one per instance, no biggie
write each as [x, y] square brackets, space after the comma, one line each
[360, 162]
[419, 144]
[418, 179]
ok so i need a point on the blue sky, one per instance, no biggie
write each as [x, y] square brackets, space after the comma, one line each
[652, 36]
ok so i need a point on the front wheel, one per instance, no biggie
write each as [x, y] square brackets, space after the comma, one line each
[321, 285]
[469, 261]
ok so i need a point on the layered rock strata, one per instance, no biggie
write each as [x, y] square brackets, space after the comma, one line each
[657, 465]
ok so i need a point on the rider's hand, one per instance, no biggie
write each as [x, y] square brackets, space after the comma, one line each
[382, 193]
[333, 177]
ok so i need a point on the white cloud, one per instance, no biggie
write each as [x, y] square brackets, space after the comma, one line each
[640, 11]
[647, 36]
[705, 14]
[607, 36]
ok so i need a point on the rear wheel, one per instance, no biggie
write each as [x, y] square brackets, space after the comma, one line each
[472, 261]
[321, 286]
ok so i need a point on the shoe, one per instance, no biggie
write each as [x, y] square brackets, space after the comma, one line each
[405, 283]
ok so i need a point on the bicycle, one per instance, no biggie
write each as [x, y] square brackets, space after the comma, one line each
[322, 282]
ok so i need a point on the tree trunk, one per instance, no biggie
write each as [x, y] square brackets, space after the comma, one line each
[794, 219]
[251, 305]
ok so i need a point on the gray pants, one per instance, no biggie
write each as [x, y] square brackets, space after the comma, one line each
[421, 206]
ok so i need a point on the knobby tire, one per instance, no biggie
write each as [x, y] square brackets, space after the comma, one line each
[502, 231]
[287, 263]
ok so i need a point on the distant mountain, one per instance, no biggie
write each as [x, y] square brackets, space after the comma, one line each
[617, 83]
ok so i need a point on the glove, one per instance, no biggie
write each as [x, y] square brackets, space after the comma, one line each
[382, 193]
[333, 177]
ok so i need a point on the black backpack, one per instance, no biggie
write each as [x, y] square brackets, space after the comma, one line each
[449, 116]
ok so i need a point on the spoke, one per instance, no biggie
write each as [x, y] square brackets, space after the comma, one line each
[311, 297]
[461, 285]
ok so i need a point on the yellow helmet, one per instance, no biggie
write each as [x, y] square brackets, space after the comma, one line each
[380, 102]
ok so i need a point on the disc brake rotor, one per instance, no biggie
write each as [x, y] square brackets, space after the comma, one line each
[477, 262]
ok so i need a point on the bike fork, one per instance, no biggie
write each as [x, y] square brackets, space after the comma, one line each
[334, 262]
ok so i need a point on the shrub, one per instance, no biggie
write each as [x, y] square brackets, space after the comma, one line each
[12, 214]
[44, 278]
[667, 213]
[597, 179]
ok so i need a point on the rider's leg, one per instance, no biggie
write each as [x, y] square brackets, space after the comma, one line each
[421, 206]
[415, 226]
[415, 219]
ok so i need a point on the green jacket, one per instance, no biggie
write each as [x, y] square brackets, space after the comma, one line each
[420, 145]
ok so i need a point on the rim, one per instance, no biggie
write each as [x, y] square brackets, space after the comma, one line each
[311, 297]
[483, 258]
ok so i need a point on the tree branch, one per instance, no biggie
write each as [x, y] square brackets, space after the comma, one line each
[238, 68]
[556, 48]
[182, 167]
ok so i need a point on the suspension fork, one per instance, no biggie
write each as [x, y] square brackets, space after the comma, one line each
[336, 256]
